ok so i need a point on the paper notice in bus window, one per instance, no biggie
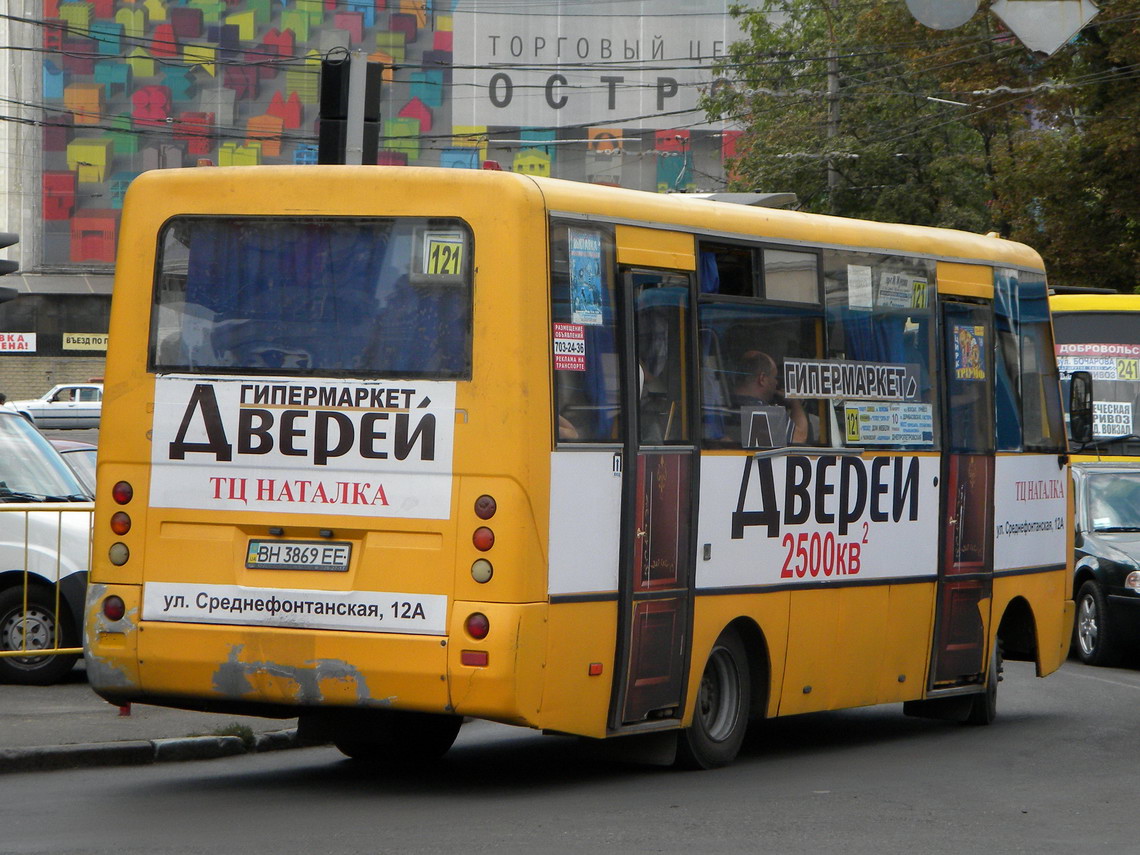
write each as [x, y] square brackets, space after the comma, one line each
[443, 253]
[969, 352]
[875, 423]
[859, 289]
[1112, 418]
[585, 277]
[899, 291]
[569, 347]
[1100, 367]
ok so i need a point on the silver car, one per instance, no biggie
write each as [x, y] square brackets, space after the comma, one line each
[68, 405]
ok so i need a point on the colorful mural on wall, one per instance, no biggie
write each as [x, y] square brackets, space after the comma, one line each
[548, 89]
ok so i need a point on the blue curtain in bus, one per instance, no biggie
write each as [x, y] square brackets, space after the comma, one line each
[872, 337]
[332, 285]
[710, 274]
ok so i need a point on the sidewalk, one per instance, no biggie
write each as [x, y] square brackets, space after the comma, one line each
[68, 726]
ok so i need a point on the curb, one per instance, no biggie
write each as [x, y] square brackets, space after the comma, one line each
[140, 752]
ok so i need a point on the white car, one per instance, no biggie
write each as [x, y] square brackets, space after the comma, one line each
[68, 405]
[45, 537]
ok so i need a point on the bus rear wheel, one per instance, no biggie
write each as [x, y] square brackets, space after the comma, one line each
[397, 737]
[721, 716]
[983, 707]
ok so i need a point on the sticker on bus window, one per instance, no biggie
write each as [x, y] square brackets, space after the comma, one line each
[859, 289]
[877, 423]
[844, 378]
[969, 350]
[569, 347]
[901, 291]
[1112, 418]
[443, 253]
[585, 277]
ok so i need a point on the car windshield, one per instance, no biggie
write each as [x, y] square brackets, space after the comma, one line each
[82, 460]
[1114, 501]
[30, 469]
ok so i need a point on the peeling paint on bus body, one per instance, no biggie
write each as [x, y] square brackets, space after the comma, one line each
[232, 677]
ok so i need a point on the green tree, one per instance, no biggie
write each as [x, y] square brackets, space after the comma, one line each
[864, 112]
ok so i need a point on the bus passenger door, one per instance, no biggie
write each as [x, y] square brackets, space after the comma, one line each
[965, 573]
[659, 498]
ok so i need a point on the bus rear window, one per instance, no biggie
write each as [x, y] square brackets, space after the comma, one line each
[363, 297]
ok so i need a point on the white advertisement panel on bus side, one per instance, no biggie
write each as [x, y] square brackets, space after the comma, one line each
[1029, 512]
[794, 520]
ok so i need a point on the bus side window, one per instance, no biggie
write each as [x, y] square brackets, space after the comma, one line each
[879, 318]
[584, 338]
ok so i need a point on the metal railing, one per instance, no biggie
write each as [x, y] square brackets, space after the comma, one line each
[40, 547]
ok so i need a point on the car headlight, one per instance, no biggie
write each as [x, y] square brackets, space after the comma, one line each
[1132, 581]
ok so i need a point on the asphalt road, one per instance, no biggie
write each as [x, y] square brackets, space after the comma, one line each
[1055, 773]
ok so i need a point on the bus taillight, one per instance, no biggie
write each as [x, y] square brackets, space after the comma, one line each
[482, 571]
[122, 493]
[477, 625]
[114, 608]
[120, 523]
[483, 538]
[485, 507]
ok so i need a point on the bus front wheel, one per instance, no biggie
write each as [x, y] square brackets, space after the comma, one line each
[721, 716]
[397, 737]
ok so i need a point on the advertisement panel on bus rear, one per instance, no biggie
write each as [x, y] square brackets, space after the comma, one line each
[377, 449]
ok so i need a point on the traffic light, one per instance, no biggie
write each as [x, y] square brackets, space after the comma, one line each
[8, 239]
[349, 109]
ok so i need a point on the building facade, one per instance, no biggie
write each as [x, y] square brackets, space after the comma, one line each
[98, 91]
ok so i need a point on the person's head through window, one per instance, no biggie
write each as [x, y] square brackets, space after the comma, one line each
[759, 385]
[759, 380]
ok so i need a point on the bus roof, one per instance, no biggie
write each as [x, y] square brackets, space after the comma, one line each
[350, 184]
[1094, 302]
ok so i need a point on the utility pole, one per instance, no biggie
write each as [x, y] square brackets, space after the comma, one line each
[832, 103]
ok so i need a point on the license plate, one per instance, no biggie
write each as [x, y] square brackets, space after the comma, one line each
[298, 555]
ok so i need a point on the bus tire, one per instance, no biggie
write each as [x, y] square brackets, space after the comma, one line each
[1095, 643]
[721, 715]
[983, 706]
[39, 622]
[398, 737]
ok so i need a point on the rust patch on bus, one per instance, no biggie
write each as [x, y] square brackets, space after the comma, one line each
[109, 671]
[232, 678]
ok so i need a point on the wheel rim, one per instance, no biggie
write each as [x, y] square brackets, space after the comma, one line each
[1087, 625]
[718, 699]
[33, 629]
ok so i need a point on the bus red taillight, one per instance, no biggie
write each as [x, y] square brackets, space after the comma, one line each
[477, 625]
[122, 493]
[485, 507]
[483, 538]
[120, 522]
[114, 608]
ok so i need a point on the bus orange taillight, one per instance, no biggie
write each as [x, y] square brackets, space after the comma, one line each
[120, 523]
[483, 538]
[477, 625]
[485, 507]
[122, 492]
[114, 608]
[118, 554]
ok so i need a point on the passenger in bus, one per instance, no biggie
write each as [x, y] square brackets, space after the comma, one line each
[758, 386]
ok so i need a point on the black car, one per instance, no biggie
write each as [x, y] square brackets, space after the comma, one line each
[1106, 581]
